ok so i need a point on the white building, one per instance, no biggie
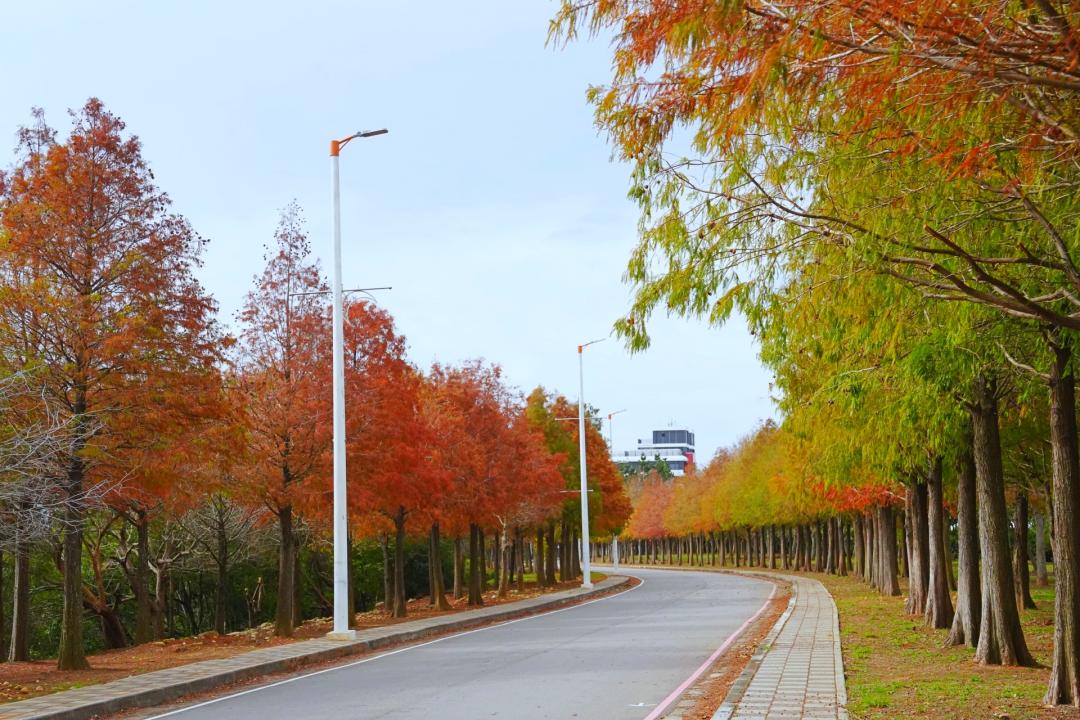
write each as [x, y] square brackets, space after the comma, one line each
[673, 445]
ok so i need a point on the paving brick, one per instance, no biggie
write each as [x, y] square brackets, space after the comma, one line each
[801, 674]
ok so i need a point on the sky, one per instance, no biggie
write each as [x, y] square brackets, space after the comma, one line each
[492, 207]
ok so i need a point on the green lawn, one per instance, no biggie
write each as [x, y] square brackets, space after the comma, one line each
[897, 668]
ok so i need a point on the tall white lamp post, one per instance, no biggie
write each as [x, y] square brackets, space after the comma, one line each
[586, 561]
[611, 447]
[341, 629]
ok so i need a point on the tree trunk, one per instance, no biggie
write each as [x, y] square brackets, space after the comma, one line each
[822, 548]
[1001, 638]
[520, 539]
[918, 536]
[1064, 686]
[350, 577]
[72, 654]
[112, 629]
[828, 533]
[839, 554]
[939, 610]
[222, 579]
[538, 558]
[967, 619]
[859, 540]
[19, 649]
[438, 587]
[950, 572]
[512, 569]
[482, 540]
[476, 596]
[549, 572]
[143, 629]
[839, 551]
[297, 605]
[903, 558]
[459, 569]
[4, 651]
[1021, 571]
[284, 614]
[870, 560]
[401, 607]
[503, 566]
[388, 577]
[1041, 578]
[430, 571]
[575, 555]
[161, 606]
[564, 552]
[886, 551]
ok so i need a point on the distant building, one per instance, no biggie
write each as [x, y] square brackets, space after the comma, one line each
[675, 446]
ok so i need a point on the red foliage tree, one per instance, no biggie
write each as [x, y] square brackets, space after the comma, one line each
[388, 439]
[284, 374]
[100, 278]
[470, 416]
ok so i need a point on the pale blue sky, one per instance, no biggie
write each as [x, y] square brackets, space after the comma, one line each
[492, 206]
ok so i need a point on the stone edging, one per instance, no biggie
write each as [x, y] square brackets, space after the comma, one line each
[163, 686]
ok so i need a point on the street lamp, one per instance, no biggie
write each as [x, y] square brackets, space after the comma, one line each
[341, 629]
[611, 448]
[611, 428]
[586, 562]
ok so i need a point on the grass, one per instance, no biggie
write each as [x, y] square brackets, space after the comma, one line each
[898, 668]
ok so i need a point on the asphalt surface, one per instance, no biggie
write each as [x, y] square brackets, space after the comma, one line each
[614, 658]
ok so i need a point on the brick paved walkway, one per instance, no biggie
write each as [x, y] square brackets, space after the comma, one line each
[156, 688]
[799, 672]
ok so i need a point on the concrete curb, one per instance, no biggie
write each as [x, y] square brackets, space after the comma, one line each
[163, 686]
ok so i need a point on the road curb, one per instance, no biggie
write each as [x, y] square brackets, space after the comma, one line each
[163, 686]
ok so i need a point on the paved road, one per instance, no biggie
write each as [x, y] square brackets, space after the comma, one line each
[612, 659]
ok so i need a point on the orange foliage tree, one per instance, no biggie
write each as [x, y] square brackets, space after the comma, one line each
[388, 440]
[284, 372]
[100, 280]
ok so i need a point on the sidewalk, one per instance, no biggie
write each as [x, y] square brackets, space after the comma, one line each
[798, 672]
[162, 686]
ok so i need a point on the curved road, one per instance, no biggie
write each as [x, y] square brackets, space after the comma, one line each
[610, 659]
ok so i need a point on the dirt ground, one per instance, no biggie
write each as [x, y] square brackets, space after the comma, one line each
[23, 680]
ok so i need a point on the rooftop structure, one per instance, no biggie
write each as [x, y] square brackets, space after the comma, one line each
[675, 446]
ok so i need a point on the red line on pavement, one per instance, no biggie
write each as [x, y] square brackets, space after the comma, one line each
[659, 710]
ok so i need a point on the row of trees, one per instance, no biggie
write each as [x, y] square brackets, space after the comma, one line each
[758, 504]
[138, 434]
[888, 192]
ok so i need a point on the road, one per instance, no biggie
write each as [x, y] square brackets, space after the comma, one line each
[610, 659]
